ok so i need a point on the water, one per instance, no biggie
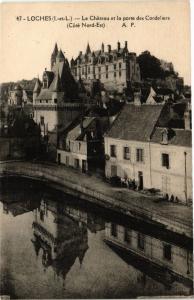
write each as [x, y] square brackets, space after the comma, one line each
[54, 246]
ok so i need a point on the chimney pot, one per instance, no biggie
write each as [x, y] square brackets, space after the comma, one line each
[109, 48]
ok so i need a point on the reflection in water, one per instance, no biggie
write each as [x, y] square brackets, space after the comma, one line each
[61, 238]
[72, 251]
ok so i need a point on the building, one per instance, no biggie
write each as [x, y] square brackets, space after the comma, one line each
[127, 144]
[55, 98]
[142, 147]
[116, 69]
[19, 96]
[81, 146]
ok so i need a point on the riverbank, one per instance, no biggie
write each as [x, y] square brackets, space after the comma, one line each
[170, 216]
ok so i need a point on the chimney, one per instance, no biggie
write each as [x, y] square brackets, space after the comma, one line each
[118, 46]
[80, 53]
[137, 98]
[109, 48]
[126, 45]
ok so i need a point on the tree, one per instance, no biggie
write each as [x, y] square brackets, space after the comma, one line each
[150, 66]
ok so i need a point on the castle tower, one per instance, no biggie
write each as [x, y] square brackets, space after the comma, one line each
[36, 90]
[54, 55]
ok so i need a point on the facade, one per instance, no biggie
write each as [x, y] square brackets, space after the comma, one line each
[171, 168]
[19, 96]
[116, 69]
[127, 146]
[173, 259]
[141, 147]
[81, 146]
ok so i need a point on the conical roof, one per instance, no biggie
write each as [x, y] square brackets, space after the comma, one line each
[55, 51]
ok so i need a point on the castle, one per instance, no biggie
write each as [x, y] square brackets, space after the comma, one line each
[67, 90]
[116, 69]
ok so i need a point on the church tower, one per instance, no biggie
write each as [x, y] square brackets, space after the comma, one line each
[54, 55]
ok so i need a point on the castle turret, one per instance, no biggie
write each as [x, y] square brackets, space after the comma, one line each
[54, 55]
[37, 89]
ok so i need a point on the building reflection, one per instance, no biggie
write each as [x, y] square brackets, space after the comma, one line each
[161, 260]
[58, 238]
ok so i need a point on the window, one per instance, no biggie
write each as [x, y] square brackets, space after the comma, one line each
[77, 163]
[126, 153]
[99, 76]
[55, 100]
[115, 74]
[106, 68]
[106, 75]
[167, 252]
[99, 69]
[139, 155]
[141, 241]
[94, 70]
[127, 235]
[115, 66]
[165, 160]
[88, 70]
[112, 150]
[119, 65]
[119, 73]
[41, 120]
[114, 230]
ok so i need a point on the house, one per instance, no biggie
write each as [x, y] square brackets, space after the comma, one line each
[127, 144]
[81, 146]
[171, 163]
[141, 146]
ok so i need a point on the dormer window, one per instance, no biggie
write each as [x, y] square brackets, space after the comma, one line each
[164, 136]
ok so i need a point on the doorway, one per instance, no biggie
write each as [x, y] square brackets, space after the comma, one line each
[140, 180]
[84, 169]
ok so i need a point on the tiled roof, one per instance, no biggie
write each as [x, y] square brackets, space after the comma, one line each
[178, 137]
[135, 122]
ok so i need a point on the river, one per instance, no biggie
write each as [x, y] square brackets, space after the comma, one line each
[56, 246]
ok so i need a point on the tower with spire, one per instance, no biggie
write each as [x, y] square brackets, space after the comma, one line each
[54, 56]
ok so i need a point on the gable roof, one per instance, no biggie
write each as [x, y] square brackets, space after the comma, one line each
[178, 137]
[135, 122]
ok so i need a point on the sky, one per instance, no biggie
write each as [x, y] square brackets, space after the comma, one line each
[27, 45]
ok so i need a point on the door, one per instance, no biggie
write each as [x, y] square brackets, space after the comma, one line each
[140, 179]
[84, 169]
[113, 170]
[59, 158]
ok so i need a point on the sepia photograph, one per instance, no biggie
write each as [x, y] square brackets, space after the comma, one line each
[96, 150]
